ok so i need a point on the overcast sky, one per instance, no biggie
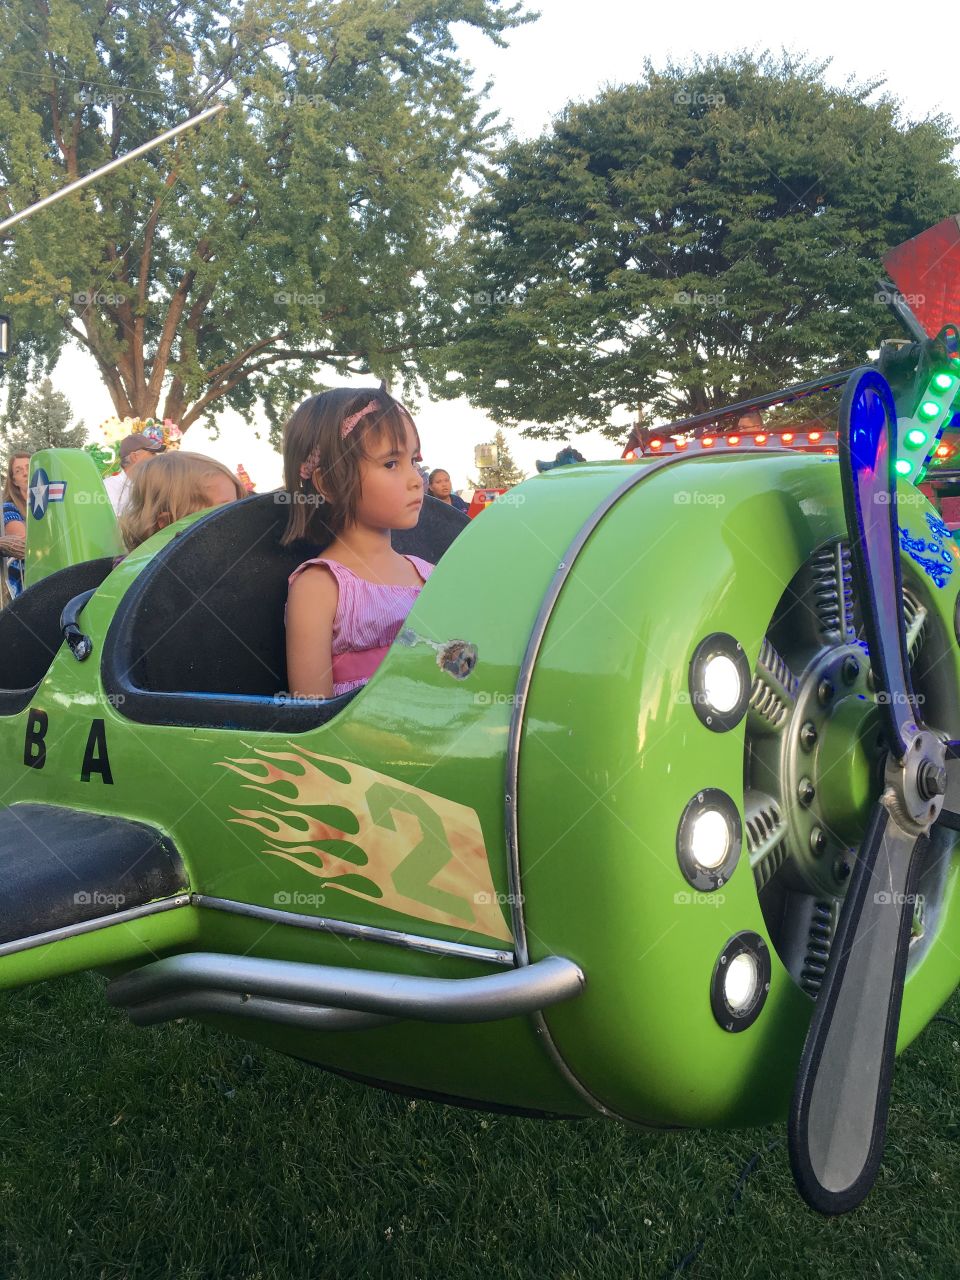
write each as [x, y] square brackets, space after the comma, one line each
[575, 49]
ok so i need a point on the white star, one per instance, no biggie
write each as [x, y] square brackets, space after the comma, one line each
[39, 492]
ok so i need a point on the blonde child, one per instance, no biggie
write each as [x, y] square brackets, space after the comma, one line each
[350, 468]
[168, 487]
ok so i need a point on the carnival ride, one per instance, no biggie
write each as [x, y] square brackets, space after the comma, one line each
[650, 810]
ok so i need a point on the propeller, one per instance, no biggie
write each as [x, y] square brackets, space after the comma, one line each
[838, 1116]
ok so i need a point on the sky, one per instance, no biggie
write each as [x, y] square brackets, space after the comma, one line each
[574, 50]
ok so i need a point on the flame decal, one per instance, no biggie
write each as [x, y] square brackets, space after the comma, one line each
[369, 835]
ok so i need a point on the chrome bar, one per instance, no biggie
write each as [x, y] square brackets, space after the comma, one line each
[285, 1013]
[499, 995]
[90, 926]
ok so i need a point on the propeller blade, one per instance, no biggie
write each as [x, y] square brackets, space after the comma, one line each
[839, 1116]
[839, 1113]
[867, 437]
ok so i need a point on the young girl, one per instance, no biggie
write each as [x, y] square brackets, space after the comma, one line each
[168, 487]
[350, 464]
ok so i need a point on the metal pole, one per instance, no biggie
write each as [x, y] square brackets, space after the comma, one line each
[113, 164]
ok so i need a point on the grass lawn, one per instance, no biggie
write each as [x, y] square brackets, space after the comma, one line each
[176, 1152]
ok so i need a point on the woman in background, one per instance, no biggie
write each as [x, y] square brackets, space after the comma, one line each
[15, 518]
[439, 487]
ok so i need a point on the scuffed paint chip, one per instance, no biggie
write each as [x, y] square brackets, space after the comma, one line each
[456, 657]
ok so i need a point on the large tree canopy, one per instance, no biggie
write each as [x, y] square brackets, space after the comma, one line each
[712, 232]
[284, 234]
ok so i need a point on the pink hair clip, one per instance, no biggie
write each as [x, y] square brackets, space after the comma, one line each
[308, 467]
[349, 423]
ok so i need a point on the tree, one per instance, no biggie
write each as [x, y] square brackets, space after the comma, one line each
[283, 235]
[504, 473]
[670, 246]
[43, 422]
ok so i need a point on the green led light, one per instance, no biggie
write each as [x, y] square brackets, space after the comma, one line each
[929, 409]
[943, 381]
[902, 467]
[915, 438]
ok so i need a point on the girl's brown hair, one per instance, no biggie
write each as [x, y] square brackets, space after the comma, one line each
[10, 492]
[169, 484]
[313, 435]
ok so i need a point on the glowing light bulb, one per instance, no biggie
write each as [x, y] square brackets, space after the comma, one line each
[721, 683]
[710, 839]
[740, 982]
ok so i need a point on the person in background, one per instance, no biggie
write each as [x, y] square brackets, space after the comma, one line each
[164, 489]
[438, 486]
[15, 517]
[133, 451]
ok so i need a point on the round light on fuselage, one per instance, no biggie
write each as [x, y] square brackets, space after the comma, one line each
[741, 981]
[719, 680]
[709, 836]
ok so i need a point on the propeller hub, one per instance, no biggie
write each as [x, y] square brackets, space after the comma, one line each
[848, 767]
[917, 784]
[827, 766]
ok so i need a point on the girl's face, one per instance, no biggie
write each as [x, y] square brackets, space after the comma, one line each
[391, 487]
[21, 473]
[440, 485]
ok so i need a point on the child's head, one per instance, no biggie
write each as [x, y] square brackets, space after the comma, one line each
[325, 445]
[168, 487]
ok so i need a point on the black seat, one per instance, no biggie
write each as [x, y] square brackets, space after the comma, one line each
[199, 640]
[30, 629]
[63, 867]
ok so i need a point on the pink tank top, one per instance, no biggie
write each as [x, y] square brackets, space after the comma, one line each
[369, 616]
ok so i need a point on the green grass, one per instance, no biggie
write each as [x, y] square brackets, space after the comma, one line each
[177, 1152]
